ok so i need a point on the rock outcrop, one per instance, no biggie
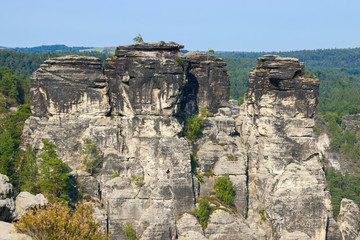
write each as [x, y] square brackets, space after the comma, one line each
[286, 180]
[7, 205]
[348, 219]
[134, 110]
[8, 232]
[25, 201]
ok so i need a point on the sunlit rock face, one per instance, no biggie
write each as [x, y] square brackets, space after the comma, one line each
[134, 109]
[69, 85]
[286, 179]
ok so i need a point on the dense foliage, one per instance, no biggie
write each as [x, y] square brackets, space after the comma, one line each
[342, 186]
[202, 212]
[129, 231]
[13, 89]
[193, 125]
[50, 48]
[225, 189]
[57, 221]
[11, 157]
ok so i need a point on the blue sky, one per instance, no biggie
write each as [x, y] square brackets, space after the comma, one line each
[229, 25]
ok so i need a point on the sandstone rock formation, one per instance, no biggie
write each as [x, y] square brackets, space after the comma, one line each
[135, 109]
[25, 201]
[8, 232]
[286, 179]
[348, 219]
[7, 205]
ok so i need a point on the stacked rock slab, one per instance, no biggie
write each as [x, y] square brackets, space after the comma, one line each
[134, 110]
[288, 197]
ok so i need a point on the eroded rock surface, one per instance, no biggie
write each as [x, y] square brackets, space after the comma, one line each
[286, 180]
[7, 205]
[134, 110]
[25, 201]
[348, 219]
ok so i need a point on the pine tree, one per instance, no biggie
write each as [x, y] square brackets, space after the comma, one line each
[54, 180]
[28, 171]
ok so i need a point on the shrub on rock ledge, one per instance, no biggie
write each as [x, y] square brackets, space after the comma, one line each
[202, 212]
[225, 189]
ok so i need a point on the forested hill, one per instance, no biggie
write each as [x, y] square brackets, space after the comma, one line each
[48, 48]
[334, 58]
[25, 63]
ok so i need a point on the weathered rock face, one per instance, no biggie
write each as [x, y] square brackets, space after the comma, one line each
[286, 180]
[348, 219]
[25, 201]
[7, 206]
[69, 85]
[157, 79]
[135, 109]
[8, 232]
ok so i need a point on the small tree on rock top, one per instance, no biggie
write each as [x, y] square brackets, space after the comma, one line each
[138, 39]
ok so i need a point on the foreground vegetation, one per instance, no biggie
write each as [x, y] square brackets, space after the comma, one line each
[58, 221]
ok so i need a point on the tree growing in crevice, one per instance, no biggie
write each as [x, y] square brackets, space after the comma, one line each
[129, 231]
[91, 154]
[202, 212]
[225, 189]
[192, 131]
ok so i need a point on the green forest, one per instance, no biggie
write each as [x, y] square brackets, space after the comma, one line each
[337, 69]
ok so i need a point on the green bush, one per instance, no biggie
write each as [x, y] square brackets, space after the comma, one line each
[179, 61]
[57, 222]
[198, 175]
[262, 214]
[115, 174]
[192, 129]
[225, 189]
[202, 212]
[203, 112]
[193, 126]
[129, 231]
[138, 39]
[240, 100]
[138, 180]
[316, 130]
